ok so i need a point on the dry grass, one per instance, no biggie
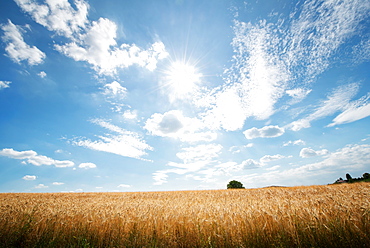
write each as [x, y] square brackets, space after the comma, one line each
[315, 216]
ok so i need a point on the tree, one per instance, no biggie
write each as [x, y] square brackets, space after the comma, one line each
[348, 176]
[235, 185]
[366, 175]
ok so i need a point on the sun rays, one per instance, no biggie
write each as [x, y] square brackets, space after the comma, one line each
[181, 79]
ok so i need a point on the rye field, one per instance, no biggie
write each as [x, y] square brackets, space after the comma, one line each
[312, 216]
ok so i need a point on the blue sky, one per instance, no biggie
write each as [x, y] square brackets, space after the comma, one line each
[182, 95]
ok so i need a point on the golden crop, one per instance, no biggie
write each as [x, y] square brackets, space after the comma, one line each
[314, 216]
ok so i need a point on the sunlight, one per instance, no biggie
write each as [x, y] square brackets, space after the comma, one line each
[182, 79]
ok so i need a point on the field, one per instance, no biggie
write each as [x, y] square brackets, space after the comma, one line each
[314, 216]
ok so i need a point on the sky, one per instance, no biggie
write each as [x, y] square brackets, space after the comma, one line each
[120, 95]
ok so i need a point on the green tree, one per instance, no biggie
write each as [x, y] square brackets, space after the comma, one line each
[348, 176]
[235, 185]
[366, 175]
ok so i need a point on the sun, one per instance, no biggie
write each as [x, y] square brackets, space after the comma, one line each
[182, 79]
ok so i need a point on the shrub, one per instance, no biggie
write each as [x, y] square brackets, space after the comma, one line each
[235, 185]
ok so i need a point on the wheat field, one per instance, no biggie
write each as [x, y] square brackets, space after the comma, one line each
[311, 216]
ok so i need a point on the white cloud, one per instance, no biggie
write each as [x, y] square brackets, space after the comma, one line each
[297, 94]
[272, 60]
[173, 124]
[17, 49]
[17, 155]
[234, 149]
[265, 132]
[41, 186]
[64, 163]
[238, 149]
[215, 172]
[347, 159]
[29, 178]
[42, 74]
[98, 47]
[124, 186]
[115, 89]
[123, 143]
[254, 83]
[193, 159]
[91, 41]
[308, 152]
[114, 94]
[269, 158]
[32, 157]
[58, 15]
[318, 30]
[57, 183]
[160, 177]
[336, 101]
[361, 52]
[200, 152]
[87, 165]
[273, 168]
[4, 84]
[130, 114]
[230, 168]
[295, 142]
[351, 156]
[354, 111]
[250, 164]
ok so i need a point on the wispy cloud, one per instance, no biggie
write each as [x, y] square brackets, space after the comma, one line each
[130, 114]
[265, 132]
[87, 166]
[193, 159]
[318, 29]
[17, 49]
[269, 158]
[57, 183]
[335, 102]
[295, 142]
[115, 93]
[199, 153]
[122, 142]
[349, 158]
[354, 111]
[250, 164]
[32, 157]
[114, 89]
[238, 149]
[29, 178]
[308, 152]
[124, 186]
[255, 82]
[174, 124]
[297, 94]
[42, 74]
[272, 60]
[41, 186]
[273, 168]
[4, 84]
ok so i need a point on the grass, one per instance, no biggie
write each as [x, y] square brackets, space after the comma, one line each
[314, 216]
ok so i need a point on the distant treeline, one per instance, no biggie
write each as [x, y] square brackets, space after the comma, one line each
[365, 178]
